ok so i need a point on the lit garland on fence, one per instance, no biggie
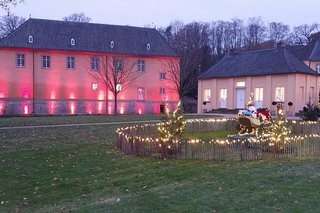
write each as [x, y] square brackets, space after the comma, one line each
[131, 133]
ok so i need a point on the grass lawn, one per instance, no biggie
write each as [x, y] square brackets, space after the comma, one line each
[78, 169]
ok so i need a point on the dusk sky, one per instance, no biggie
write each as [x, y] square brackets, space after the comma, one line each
[162, 12]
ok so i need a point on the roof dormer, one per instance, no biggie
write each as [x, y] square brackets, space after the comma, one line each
[72, 42]
[148, 46]
[111, 44]
[30, 39]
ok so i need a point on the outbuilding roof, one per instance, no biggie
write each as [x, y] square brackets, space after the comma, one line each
[257, 63]
[87, 37]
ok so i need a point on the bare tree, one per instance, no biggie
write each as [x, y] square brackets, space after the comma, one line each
[189, 44]
[116, 73]
[171, 68]
[278, 32]
[77, 17]
[255, 33]
[9, 23]
[302, 33]
[5, 4]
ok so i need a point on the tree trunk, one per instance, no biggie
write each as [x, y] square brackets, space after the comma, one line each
[115, 103]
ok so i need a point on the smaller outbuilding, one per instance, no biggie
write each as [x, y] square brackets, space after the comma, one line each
[282, 74]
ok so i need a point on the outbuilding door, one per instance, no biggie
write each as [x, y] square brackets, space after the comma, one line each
[240, 98]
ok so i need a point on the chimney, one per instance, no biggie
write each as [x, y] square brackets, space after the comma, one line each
[233, 51]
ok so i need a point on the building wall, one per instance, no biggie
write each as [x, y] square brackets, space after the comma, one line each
[59, 90]
[292, 84]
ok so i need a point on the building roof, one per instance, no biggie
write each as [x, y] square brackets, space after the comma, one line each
[257, 63]
[309, 52]
[57, 35]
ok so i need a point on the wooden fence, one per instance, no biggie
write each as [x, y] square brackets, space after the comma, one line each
[144, 141]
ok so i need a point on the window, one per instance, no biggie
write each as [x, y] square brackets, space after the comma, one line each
[70, 63]
[258, 94]
[279, 95]
[241, 84]
[162, 91]
[223, 98]
[111, 44]
[95, 63]
[223, 94]
[118, 87]
[207, 95]
[45, 61]
[118, 65]
[140, 65]
[318, 68]
[94, 86]
[20, 60]
[148, 46]
[30, 39]
[72, 42]
[162, 76]
[140, 93]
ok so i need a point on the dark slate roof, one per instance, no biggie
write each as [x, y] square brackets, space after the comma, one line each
[56, 35]
[315, 55]
[303, 52]
[259, 62]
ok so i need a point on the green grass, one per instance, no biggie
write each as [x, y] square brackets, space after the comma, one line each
[78, 169]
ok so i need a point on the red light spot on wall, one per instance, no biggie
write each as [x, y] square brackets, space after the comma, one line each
[1, 95]
[72, 108]
[1, 108]
[53, 95]
[51, 107]
[25, 110]
[121, 110]
[101, 96]
[89, 108]
[72, 96]
[100, 107]
[109, 110]
[26, 94]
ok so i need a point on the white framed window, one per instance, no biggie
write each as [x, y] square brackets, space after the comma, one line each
[95, 63]
[140, 93]
[258, 94]
[70, 62]
[20, 60]
[141, 66]
[318, 68]
[241, 84]
[148, 46]
[207, 95]
[118, 65]
[46, 61]
[223, 98]
[30, 39]
[162, 91]
[279, 94]
[111, 44]
[72, 42]
[162, 76]
[223, 94]
[118, 87]
[94, 86]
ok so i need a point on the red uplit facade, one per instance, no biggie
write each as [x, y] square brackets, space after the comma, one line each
[48, 79]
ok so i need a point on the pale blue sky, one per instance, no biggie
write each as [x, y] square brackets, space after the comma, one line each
[162, 12]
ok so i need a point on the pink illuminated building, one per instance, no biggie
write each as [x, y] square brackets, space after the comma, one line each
[45, 69]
